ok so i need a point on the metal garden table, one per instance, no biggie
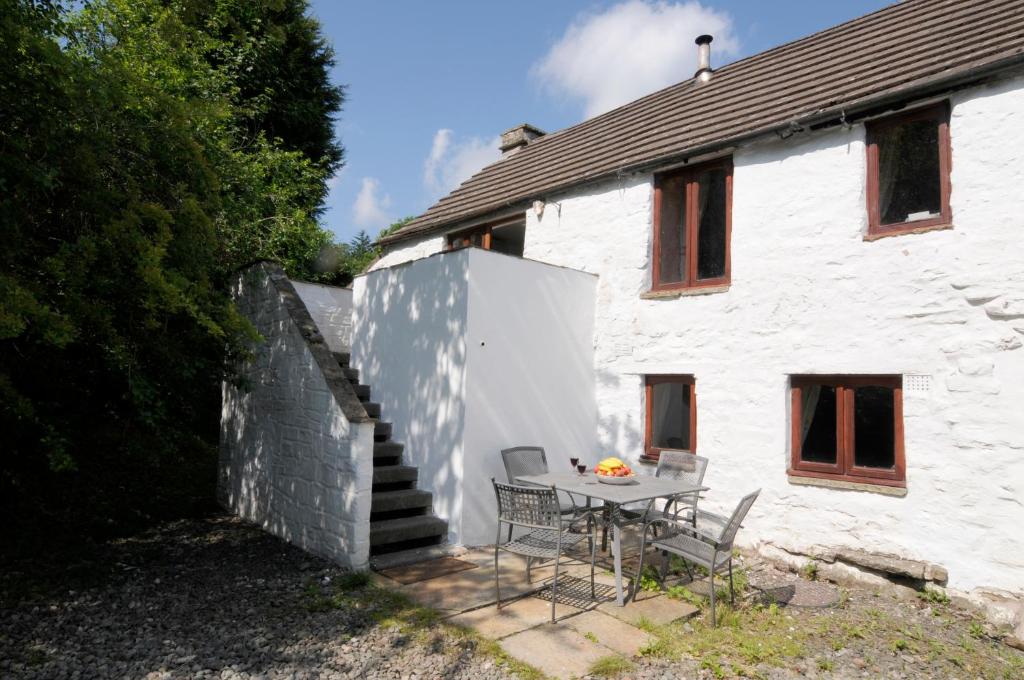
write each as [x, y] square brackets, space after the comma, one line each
[614, 496]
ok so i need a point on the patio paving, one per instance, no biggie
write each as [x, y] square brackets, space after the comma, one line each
[586, 629]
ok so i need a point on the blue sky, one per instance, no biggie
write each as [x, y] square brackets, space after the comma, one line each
[431, 85]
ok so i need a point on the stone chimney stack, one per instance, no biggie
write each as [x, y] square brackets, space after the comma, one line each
[515, 139]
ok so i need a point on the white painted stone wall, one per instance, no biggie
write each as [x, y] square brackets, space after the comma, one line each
[409, 251]
[290, 459]
[471, 352]
[810, 295]
[331, 309]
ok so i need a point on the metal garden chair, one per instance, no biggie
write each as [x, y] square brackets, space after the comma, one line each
[704, 544]
[521, 461]
[543, 531]
[683, 467]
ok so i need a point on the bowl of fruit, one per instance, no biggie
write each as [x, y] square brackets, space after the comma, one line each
[614, 471]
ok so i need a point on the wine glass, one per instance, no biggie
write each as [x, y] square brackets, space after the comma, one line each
[582, 468]
[574, 462]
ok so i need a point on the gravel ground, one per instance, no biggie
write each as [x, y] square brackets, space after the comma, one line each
[218, 598]
[209, 599]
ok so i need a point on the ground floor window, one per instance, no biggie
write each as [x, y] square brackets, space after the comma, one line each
[671, 414]
[848, 427]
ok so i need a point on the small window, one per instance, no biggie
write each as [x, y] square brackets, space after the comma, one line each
[506, 237]
[671, 421]
[908, 172]
[848, 427]
[692, 213]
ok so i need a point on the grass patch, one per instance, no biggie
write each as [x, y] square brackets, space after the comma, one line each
[593, 638]
[934, 595]
[810, 571]
[610, 666]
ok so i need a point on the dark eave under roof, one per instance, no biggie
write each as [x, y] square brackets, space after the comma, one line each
[907, 50]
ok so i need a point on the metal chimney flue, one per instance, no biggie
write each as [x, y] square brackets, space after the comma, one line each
[704, 71]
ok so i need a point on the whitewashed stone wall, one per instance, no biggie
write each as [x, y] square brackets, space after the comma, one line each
[331, 309]
[810, 295]
[291, 459]
[409, 251]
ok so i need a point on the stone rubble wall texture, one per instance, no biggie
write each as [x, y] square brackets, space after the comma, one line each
[290, 459]
[810, 295]
[331, 309]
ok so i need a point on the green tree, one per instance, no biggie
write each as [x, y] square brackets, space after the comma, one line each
[130, 188]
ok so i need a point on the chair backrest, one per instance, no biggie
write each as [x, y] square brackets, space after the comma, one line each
[684, 467]
[729, 533]
[524, 460]
[535, 506]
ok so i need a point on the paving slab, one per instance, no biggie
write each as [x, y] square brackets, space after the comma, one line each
[610, 632]
[557, 650]
[513, 617]
[467, 590]
[658, 610]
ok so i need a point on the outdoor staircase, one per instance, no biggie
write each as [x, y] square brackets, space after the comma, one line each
[401, 522]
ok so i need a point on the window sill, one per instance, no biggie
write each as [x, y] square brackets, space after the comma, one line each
[885, 490]
[902, 231]
[674, 293]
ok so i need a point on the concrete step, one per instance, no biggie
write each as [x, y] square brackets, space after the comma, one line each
[387, 451]
[407, 529]
[401, 558]
[394, 474]
[342, 358]
[381, 431]
[402, 499]
[372, 409]
[351, 374]
[362, 391]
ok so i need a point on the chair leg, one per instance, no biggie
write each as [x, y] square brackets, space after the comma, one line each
[714, 621]
[604, 529]
[529, 563]
[593, 558]
[509, 533]
[554, 591]
[732, 594]
[689, 574]
[639, 567]
[497, 588]
[664, 565]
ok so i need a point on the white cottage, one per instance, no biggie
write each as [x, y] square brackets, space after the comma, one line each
[806, 266]
[810, 269]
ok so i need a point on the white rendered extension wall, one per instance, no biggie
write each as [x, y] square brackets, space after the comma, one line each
[810, 295]
[291, 459]
[331, 309]
[470, 352]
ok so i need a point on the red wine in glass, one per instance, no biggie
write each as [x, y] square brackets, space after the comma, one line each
[582, 468]
[574, 462]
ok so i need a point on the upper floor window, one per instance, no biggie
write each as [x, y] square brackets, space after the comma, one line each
[848, 427]
[504, 237]
[908, 171]
[671, 414]
[692, 221]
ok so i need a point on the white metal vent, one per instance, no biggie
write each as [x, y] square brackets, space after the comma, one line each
[917, 383]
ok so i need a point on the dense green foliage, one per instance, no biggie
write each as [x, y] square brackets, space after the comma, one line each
[147, 149]
[340, 263]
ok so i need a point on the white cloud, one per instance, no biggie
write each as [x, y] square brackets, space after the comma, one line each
[631, 49]
[370, 210]
[452, 161]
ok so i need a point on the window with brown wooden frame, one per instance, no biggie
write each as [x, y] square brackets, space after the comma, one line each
[848, 428]
[908, 159]
[507, 236]
[692, 224]
[671, 414]
[479, 237]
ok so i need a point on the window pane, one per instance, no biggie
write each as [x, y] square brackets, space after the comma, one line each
[818, 424]
[909, 181]
[711, 231]
[874, 427]
[670, 416]
[672, 231]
